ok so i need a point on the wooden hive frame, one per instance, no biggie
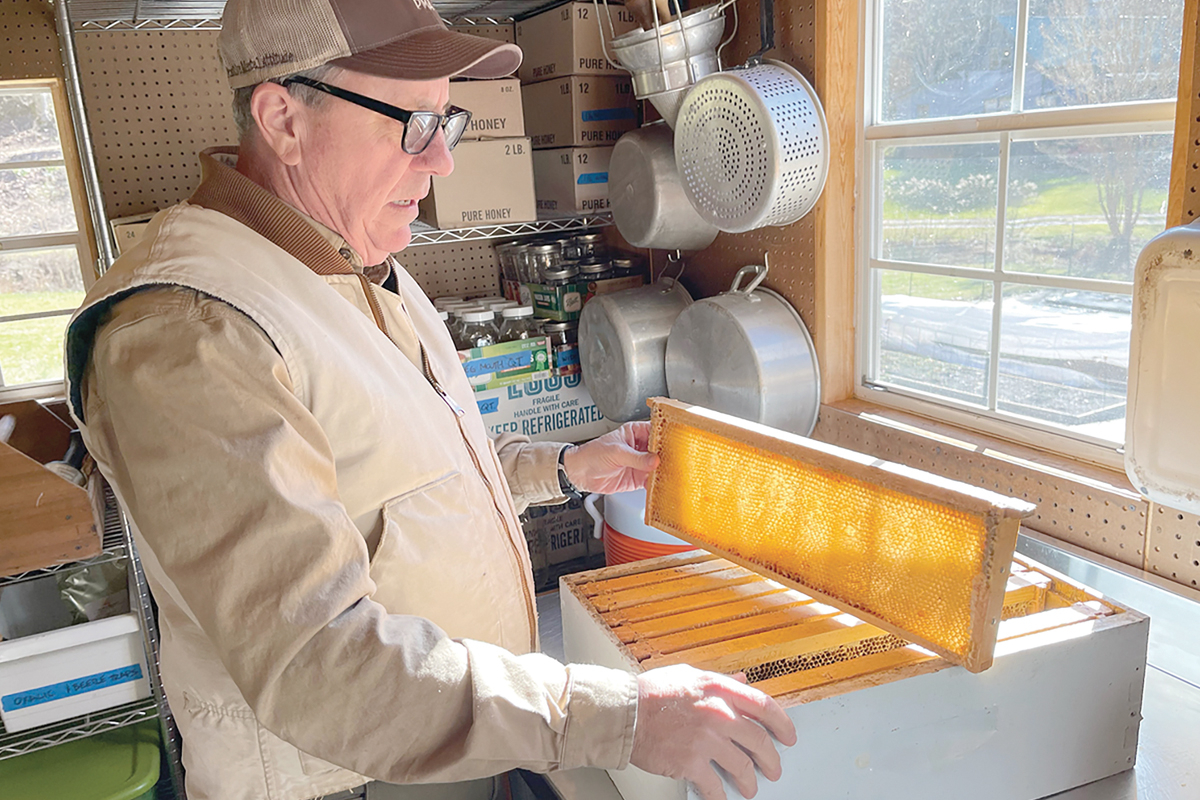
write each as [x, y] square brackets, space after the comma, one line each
[918, 556]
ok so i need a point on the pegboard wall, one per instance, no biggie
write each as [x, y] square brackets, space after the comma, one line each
[29, 48]
[792, 249]
[154, 100]
[464, 269]
[1090, 507]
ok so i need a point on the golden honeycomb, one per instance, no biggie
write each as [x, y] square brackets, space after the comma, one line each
[917, 555]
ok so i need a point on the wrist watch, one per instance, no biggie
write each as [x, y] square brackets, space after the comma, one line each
[564, 483]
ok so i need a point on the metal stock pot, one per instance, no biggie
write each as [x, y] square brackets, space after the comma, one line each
[622, 341]
[746, 353]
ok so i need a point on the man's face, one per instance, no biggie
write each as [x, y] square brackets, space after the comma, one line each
[356, 177]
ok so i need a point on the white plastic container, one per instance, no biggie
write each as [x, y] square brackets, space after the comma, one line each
[626, 535]
[73, 671]
[1162, 438]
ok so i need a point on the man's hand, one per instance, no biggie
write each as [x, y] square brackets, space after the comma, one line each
[687, 720]
[614, 462]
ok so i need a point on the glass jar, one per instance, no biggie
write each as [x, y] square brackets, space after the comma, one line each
[560, 274]
[506, 253]
[456, 321]
[518, 323]
[564, 345]
[625, 266]
[478, 330]
[542, 257]
[590, 245]
[595, 269]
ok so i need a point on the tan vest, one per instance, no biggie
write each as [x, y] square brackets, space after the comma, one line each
[432, 500]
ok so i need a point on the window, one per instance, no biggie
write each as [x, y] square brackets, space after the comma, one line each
[1018, 158]
[42, 246]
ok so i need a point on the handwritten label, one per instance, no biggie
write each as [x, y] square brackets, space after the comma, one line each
[71, 688]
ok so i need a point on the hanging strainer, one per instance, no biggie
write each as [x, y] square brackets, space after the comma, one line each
[751, 144]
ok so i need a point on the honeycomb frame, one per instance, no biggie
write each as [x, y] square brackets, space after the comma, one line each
[917, 555]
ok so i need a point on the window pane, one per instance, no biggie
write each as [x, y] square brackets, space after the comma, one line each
[939, 204]
[1085, 207]
[35, 200]
[40, 280]
[31, 350]
[947, 58]
[1064, 358]
[934, 334]
[28, 131]
[1090, 52]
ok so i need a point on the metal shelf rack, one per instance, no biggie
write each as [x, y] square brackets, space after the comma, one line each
[423, 234]
[117, 542]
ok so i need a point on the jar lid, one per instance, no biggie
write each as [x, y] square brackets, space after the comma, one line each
[545, 247]
[594, 266]
[555, 326]
[460, 311]
[517, 312]
[447, 300]
[443, 315]
[561, 271]
[625, 262]
[478, 316]
[590, 238]
[500, 305]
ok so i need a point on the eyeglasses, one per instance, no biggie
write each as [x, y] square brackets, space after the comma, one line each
[419, 126]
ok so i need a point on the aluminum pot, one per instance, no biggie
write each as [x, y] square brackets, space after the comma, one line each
[649, 205]
[746, 353]
[622, 341]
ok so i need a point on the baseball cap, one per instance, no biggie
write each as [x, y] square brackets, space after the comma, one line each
[265, 39]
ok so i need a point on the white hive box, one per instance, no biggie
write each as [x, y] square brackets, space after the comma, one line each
[1059, 707]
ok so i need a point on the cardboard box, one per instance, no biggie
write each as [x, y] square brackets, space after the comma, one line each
[560, 541]
[495, 108]
[128, 231]
[557, 409]
[571, 180]
[506, 363]
[500, 32]
[609, 285]
[492, 184]
[562, 303]
[566, 41]
[579, 111]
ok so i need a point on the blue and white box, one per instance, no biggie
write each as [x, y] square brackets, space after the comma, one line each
[72, 671]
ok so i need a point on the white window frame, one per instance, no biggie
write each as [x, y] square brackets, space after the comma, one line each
[1131, 118]
[77, 238]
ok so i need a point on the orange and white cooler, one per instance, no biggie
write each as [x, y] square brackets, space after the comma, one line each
[626, 535]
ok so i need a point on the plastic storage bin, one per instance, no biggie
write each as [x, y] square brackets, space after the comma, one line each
[72, 671]
[117, 765]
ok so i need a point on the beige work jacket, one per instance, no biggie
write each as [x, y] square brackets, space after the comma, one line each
[344, 588]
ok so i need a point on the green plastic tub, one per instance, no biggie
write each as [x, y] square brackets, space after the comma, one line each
[117, 765]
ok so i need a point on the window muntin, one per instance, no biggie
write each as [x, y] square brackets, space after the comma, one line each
[42, 248]
[1007, 199]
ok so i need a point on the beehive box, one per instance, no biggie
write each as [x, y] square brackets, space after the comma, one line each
[877, 716]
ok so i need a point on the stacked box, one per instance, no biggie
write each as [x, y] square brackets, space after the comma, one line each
[492, 181]
[577, 103]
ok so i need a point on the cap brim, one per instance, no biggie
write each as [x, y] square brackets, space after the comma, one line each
[437, 53]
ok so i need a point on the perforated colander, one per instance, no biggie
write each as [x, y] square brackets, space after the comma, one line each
[751, 146]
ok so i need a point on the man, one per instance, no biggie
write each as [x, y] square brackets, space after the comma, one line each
[332, 539]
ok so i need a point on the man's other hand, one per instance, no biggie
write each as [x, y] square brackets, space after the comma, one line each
[614, 462]
[688, 720]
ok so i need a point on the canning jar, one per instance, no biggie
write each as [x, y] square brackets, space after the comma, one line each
[564, 345]
[589, 245]
[595, 269]
[518, 323]
[542, 257]
[478, 330]
[625, 266]
[560, 274]
[506, 254]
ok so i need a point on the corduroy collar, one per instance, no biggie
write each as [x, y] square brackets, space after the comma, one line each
[228, 191]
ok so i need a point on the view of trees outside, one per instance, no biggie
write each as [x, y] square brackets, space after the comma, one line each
[1079, 206]
[34, 200]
